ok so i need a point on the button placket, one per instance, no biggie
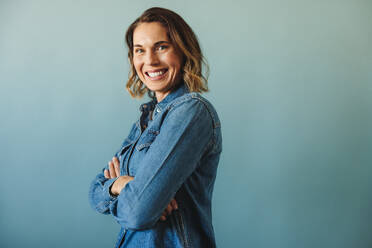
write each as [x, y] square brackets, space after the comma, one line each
[155, 112]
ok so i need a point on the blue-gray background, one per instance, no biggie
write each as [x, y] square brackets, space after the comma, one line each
[291, 81]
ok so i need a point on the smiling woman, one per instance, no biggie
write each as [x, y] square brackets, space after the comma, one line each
[157, 63]
[159, 184]
[183, 40]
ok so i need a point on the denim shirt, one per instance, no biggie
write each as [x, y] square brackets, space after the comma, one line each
[172, 151]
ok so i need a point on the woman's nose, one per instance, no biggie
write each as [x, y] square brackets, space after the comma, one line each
[151, 59]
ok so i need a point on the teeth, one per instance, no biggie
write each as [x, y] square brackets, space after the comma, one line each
[155, 74]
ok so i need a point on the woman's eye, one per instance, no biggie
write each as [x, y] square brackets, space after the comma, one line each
[139, 50]
[162, 47]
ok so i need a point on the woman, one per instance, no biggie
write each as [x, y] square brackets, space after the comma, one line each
[159, 184]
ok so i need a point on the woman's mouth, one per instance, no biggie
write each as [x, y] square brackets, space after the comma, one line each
[156, 75]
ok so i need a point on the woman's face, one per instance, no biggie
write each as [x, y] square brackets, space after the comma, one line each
[155, 59]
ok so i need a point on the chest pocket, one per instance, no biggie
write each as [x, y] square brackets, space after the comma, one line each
[146, 139]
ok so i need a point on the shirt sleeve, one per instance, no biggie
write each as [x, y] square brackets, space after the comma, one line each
[99, 193]
[185, 134]
[99, 190]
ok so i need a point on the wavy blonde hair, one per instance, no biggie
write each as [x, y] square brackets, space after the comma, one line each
[184, 41]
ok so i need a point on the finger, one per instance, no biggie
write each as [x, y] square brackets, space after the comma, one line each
[169, 209]
[107, 174]
[174, 204]
[112, 170]
[116, 166]
[163, 215]
[108, 169]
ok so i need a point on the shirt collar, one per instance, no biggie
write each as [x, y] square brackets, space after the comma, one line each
[177, 92]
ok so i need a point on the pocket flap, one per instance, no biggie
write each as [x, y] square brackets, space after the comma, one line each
[146, 139]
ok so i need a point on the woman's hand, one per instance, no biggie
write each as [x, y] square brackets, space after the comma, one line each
[114, 172]
[171, 206]
[114, 169]
[119, 184]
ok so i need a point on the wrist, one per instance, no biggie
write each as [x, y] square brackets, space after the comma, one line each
[119, 184]
[113, 190]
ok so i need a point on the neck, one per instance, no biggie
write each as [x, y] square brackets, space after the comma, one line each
[160, 95]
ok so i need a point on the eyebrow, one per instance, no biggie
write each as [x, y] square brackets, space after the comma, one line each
[156, 44]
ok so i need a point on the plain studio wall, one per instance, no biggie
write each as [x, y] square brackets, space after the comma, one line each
[291, 81]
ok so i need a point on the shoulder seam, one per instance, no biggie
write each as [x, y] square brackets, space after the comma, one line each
[197, 97]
